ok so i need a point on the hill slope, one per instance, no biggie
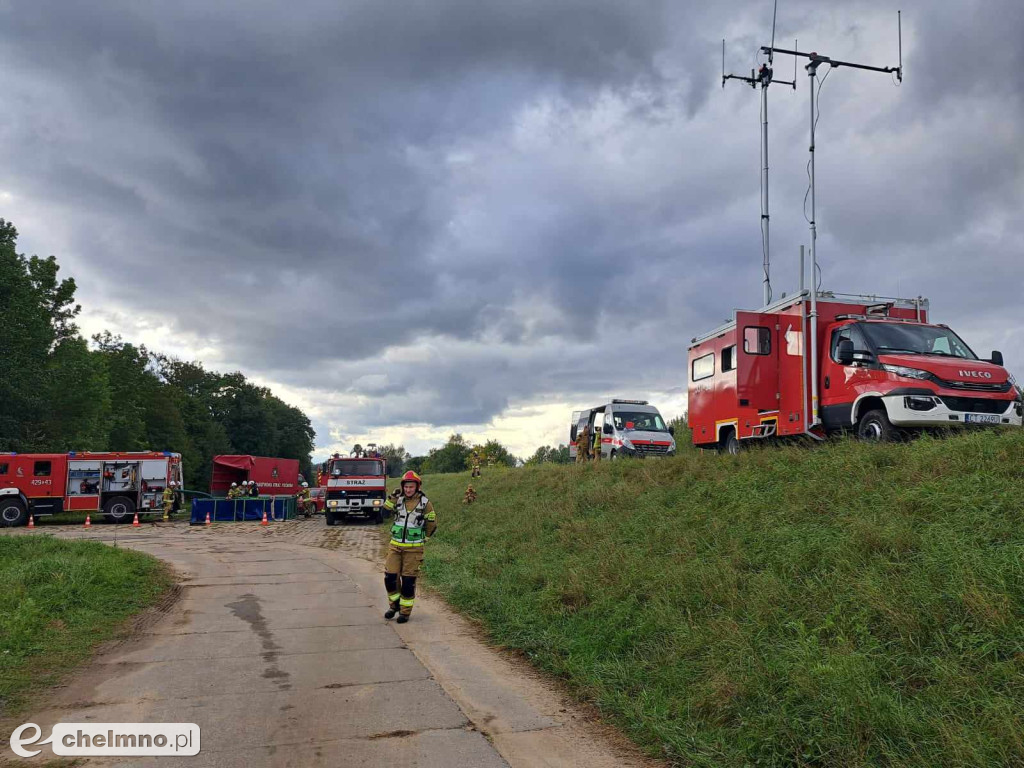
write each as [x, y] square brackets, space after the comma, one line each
[850, 604]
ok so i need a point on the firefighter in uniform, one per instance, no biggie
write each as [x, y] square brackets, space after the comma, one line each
[583, 444]
[168, 499]
[303, 500]
[476, 465]
[597, 443]
[414, 522]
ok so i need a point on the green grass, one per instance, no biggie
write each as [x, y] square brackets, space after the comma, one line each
[845, 605]
[58, 601]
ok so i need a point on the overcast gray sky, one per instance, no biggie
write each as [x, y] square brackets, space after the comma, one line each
[419, 216]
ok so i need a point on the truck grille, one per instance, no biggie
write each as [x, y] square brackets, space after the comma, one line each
[976, 404]
[975, 386]
[347, 494]
[651, 450]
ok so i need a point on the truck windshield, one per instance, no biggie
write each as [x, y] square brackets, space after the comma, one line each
[639, 421]
[904, 338]
[348, 468]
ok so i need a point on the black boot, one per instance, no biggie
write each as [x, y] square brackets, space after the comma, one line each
[402, 618]
[391, 611]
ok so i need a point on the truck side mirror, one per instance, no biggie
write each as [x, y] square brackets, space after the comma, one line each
[672, 431]
[609, 430]
[997, 357]
[844, 352]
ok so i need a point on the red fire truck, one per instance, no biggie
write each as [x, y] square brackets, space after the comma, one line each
[274, 477]
[355, 485]
[119, 484]
[815, 364]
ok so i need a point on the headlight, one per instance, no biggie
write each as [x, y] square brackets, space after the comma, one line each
[376, 502]
[332, 503]
[910, 373]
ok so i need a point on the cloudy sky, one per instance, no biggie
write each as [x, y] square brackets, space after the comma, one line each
[418, 216]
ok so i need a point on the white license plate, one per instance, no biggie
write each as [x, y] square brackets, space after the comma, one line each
[981, 418]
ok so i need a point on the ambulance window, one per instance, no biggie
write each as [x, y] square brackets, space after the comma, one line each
[729, 358]
[703, 367]
[3, 469]
[42, 469]
[757, 340]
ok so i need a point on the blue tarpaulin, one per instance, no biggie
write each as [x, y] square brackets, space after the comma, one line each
[239, 510]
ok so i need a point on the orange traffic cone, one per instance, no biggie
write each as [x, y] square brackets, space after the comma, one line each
[31, 521]
[264, 521]
[88, 523]
[208, 519]
[135, 522]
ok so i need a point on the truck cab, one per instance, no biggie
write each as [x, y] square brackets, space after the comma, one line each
[879, 375]
[356, 485]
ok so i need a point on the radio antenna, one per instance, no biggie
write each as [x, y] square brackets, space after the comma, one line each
[815, 60]
[763, 77]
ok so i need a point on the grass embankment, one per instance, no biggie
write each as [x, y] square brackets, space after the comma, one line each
[58, 601]
[846, 605]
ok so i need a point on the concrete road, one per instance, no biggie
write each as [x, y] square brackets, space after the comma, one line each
[277, 648]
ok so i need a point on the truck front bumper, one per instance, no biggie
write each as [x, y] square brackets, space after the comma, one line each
[354, 505]
[944, 411]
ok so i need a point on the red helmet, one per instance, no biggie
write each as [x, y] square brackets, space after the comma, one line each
[412, 477]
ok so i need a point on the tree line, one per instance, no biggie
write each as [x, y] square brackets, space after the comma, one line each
[60, 393]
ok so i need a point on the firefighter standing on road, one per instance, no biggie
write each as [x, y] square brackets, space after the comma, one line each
[414, 523]
[168, 499]
[304, 501]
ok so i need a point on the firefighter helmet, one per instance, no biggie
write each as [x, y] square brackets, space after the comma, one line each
[234, 485]
[412, 477]
[305, 485]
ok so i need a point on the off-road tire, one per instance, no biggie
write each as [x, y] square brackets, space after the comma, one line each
[329, 517]
[874, 426]
[12, 512]
[378, 515]
[731, 445]
[119, 509]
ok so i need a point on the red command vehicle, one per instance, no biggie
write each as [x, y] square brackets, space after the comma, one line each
[873, 365]
[356, 485]
[274, 477]
[119, 484]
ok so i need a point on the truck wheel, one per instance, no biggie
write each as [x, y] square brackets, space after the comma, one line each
[732, 445]
[119, 509]
[12, 513]
[874, 426]
[378, 515]
[329, 517]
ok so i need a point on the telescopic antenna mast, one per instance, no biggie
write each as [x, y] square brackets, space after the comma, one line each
[815, 60]
[763, 77]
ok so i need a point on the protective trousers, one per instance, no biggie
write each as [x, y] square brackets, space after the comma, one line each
[401, 568]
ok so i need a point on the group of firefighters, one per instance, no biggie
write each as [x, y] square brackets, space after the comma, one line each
[247, 490]
[588, 447]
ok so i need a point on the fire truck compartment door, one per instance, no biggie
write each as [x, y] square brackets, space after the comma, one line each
[154, 471]
[757, 363]
[83, 490]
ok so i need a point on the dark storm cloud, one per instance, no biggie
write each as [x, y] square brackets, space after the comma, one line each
[424, 212]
